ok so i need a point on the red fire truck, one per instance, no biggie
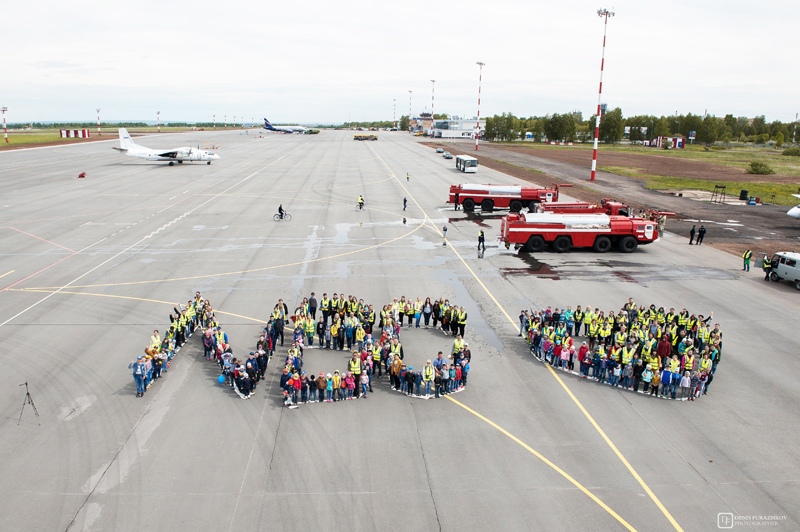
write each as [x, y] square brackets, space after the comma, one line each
[490, 197]
[607, 206]
[534, 231]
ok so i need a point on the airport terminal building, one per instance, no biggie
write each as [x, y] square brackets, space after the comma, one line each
[457, 128]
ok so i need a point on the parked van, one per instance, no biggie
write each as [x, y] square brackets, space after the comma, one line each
[786, 267]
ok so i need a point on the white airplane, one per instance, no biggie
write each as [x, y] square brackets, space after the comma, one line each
[283, 129]
[128, 147]
[794, 212]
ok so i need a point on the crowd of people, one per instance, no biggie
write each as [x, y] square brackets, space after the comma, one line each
[373, 338]
[649, 350]
[158, 354]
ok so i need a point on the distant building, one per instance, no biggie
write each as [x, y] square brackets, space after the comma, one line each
[457, 128]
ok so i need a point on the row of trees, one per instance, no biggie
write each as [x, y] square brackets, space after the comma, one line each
[570, 127]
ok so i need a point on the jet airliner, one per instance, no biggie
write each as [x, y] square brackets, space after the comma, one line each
[283, 129]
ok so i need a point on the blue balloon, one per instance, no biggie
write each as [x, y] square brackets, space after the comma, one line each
[221, 379]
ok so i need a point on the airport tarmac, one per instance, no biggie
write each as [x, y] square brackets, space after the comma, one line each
[89, 267]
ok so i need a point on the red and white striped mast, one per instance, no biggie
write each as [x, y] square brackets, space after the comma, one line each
[478, 125]
[605, 13]
[98, 122]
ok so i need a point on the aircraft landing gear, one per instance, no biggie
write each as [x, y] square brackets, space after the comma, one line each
[209, 162]
[172, 163]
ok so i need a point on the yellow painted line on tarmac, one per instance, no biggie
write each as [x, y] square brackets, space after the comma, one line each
[544, 459]
[7, 273]
[577, 402]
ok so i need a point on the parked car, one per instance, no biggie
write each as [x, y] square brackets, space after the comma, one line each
[447, 155]
[439, 150]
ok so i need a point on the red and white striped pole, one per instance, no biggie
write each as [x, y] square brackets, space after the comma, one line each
[158, 121]
[4, 110]
[433, 120]
[478, 125]
[98, 122]
[605, 13]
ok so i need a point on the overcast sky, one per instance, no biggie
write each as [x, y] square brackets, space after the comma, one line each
[323, 61]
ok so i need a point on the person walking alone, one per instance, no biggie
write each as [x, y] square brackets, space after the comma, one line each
[746, 256]
[481, 241]
[405, 203]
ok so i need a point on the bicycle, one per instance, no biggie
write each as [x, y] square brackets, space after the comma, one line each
[286, 216]
[361, 207]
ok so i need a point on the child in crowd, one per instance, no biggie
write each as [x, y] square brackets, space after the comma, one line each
[364, 383]
[312, 389]
[686, 384]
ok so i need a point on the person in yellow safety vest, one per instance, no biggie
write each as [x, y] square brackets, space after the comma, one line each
[342, 306]
[428, 374]
[627, 353]
[688, 360]
[334, 304]
[310, 328]
[593, 333]
[462, 320]
[621, 336]
[578, 317]
[458, 344]
[655, 362]
[705, 363]
[360, 335]
[605, 333]
[613, 352]
[674, 364]
[417, 312]
[220, 336]
[355, 368]
[746, 256]
[155, 340]
[671, 315]
[396, 348]
[661, 317]
[588, 318]
[683, 319]
[377, 353]
[325, 307]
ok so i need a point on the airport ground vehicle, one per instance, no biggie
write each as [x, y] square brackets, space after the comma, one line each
[439, 150]
[466, 163]
[286, 217]
[563, 231]
[786, 267]
[365, 136]
[490, 197]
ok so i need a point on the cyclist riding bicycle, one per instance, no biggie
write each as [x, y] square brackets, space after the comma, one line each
[360, 201]
[281, 211]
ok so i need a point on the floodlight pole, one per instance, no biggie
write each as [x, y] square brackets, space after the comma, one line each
[214, 122]
[604, 13]
[433, 120]
[158, 121]
[4, 110]
[98, 122]
[409, 108]
[394, 112]
[226, 122]
[478, 124]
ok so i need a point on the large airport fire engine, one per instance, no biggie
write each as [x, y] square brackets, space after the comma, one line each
[490, 197]
[563, 231]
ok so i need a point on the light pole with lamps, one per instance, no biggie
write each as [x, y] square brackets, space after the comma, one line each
[433, 119]
[98, 122]
[605, 13]
[478, 125]
[4, 110]
[214, 122]
[409, 109]
[158, 121]
[394, 112]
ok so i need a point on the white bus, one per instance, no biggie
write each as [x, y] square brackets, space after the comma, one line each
[465, 163]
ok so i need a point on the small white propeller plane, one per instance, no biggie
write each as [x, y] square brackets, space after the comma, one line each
[794, 212]
[128, 147]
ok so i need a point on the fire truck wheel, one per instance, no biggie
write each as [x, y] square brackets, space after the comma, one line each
[535, 244]
[561, 244]
[515, 206]
[487, 205]
[468, 204]
[628, 244]
[602, 244]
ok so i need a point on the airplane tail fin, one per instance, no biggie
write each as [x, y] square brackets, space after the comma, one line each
[267, 125]
[125, 142]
